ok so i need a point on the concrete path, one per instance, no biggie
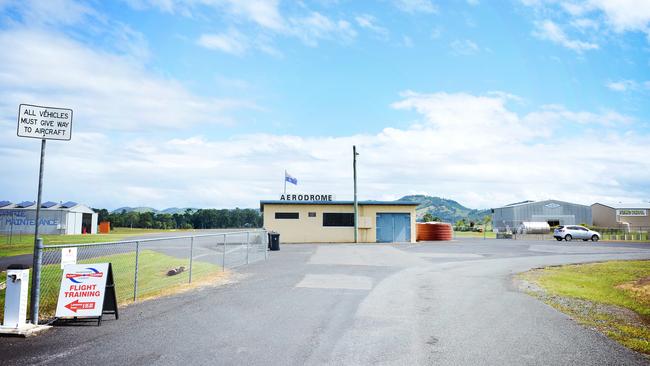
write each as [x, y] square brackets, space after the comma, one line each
[427, 304]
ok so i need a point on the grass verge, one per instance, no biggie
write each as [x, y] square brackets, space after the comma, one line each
[152, 278]
[474, 234]
[24, 244]
[613, 297]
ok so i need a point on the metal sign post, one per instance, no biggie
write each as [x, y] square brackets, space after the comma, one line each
[44, 123]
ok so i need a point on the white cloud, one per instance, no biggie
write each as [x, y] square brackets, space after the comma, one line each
[464, 47]
[316, 26]
[369, 22]
[110, 91]
[622, 85]
[265, 13]
[416, 6]
[617, 15]
[310, 27]
[548, 30]
[625, 15]
[231, 42]
[472, 148]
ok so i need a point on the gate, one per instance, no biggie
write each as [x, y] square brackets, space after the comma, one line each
[393, 227]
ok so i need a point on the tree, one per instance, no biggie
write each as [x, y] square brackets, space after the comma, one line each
[428, 217]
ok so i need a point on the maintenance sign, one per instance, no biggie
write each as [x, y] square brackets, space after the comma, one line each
[44, 122]
[82, 290]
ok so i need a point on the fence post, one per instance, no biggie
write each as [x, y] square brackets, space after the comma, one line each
[247, 244]
[191, 256]
[135, 277]
[223, 260]
[36, 281]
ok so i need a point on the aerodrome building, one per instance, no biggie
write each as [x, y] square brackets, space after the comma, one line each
[306, 221]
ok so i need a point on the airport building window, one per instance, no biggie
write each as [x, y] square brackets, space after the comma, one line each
[312, 214]
[338, 219]
[287, 215]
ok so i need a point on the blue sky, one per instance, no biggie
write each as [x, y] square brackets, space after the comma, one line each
[204, 103]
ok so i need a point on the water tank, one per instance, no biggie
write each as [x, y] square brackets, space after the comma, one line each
[430, 231]
[534, 228]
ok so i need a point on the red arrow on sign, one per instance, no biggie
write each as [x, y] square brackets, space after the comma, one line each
[76, 305]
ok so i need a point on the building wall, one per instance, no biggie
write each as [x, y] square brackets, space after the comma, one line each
[307, 229]
[565, 212]
[21, 221]
[605, 216]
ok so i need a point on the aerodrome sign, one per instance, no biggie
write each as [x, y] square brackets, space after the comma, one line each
[307, 197]
[45, 123]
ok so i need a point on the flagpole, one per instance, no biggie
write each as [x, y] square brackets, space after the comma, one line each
[285, 182]
[356, 203]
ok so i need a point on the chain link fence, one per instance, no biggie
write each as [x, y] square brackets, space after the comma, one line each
[153, 267]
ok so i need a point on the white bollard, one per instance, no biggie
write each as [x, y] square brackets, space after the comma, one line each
[16, 298]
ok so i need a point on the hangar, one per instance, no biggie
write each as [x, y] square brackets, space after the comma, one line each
[553, 212]
[630, 216]
[333, 221]
[55, 218]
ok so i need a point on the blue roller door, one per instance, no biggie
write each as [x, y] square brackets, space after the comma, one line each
[393, 227]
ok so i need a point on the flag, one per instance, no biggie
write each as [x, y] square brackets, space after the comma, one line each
[290, 179]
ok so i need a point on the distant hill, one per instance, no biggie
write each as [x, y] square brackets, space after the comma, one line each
[447, 210]
[171, 210]
[176, 210]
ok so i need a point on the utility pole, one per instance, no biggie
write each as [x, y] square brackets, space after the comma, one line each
[356, 203]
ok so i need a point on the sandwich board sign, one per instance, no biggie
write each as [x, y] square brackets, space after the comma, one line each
[87, 291]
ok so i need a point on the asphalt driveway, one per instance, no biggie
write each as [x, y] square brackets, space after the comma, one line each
[403, 304]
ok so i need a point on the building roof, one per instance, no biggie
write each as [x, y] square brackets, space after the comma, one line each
[529, 202]
[48, 205]
[518, 203]
[638, 205]
[361, 203]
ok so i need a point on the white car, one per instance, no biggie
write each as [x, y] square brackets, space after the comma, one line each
[570, 232]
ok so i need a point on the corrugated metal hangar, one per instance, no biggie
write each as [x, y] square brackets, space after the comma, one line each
[56, 218]
[553, 212]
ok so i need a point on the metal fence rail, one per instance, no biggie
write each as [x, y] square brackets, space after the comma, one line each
[151, 267]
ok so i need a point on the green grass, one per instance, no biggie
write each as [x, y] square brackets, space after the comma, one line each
[152, 277]
[597, 282]
[474, 234]
[600, 283]
[24, 244]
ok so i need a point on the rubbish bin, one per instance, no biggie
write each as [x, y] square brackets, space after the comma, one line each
[274, 241]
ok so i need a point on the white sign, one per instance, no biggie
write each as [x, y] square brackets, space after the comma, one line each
[68, 256]
[629, 212]
[307, 197]
[82, 290]
[552, 205]
[44, 122]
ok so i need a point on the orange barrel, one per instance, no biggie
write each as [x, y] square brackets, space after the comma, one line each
[430, 231]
